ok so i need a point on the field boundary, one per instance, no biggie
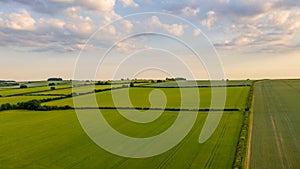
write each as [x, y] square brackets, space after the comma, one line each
[241, 149]
[251, 114]
[166, 109]
[208, 86]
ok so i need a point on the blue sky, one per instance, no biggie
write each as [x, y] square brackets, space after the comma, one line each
[253, 38]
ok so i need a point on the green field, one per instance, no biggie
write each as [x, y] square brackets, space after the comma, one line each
[139, 97]
[31, 139]
[202, 83]
[80, 89]
[55, 139]
[18, 91]
[276, 122]
[16, 99]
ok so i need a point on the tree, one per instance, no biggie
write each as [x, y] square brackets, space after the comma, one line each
[23, 86]
[131, 84]
[6, 106]
[52, 88]
[30, 105]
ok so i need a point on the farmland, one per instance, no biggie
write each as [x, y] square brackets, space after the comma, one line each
[80, 89]
[39, 141]
[55, 139]
[202, 83]
[276, 122]
[139, 97]
[17, 99]
[24, 91]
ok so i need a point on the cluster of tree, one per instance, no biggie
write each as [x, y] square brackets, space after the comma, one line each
[54, 79]
[32, 105]
[8, 83]
[176, 78]
[23, 86]
[103, 83]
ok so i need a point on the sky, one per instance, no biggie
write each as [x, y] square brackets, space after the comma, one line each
[113, 39]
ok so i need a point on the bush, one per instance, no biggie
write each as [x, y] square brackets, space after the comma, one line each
[6, 106]
[52, 88]
[51, 84]
[23, 86]
[30, 105]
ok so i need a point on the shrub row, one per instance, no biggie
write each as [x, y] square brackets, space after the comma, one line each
[201, 86]
[156, 108]
[241, 150]
[32, 105]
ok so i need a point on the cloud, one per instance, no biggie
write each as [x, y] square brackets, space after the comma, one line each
[127, 26]
[64, 25]
[209, 20]
[19, 21]
[188, 11]
[77, 24]
[197, 32]
[174, 29]
[100, 6]
[130, 3]
[273, 31]
[56, 7]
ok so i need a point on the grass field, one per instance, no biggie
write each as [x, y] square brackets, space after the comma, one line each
[54, 139]
[202, 83]
[7, 92]
[16, 99]
[276, 122]
[80, 89]
[236, 98]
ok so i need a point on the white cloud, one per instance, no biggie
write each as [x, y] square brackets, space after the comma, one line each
[175, 29]
[77, 24]
[188, 11]
[62, 1]
[19, 21]
[98, 5]
[272, 32]
[127, 26]
[278, 17]
[209, 20]
[197, 32]
[130, 3]
[52, 23]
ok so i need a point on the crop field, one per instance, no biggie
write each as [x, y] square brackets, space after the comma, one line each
[55, 139]
[31, 139]
[276, 122]
[80, 89]
[202, 83]
[139, 97]
[18, 91]
[16, 99]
